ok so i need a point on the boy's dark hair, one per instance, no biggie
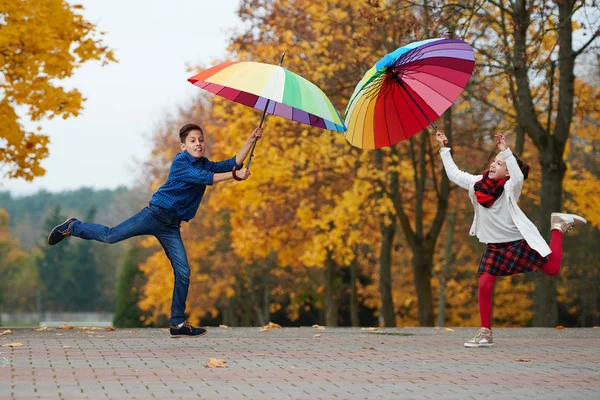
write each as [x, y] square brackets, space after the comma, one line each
[186, 129]
[522, 165]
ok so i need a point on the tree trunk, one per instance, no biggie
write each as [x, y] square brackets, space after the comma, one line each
[422, 263]
[385, 273]
[330, 292]
[443, 277]
[385, 255]
[353, 293]
[553, 172]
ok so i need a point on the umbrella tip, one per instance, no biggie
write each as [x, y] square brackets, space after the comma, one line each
[281, 60]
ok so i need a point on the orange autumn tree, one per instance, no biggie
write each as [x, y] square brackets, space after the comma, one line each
[41, 42]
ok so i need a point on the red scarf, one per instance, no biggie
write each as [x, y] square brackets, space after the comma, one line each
[488, 190]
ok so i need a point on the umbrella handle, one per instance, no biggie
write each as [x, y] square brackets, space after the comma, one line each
[419, 107]
[256, 139]
[262, 119]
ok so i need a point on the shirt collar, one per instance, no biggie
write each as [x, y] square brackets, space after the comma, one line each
[191, 159]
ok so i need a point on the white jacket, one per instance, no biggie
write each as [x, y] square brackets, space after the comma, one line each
[512, 188]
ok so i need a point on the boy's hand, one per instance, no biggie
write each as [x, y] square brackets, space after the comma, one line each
[256, 134]
[441, 138]
[501, 142]
[243, 173]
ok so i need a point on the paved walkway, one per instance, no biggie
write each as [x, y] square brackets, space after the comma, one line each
[294, 363]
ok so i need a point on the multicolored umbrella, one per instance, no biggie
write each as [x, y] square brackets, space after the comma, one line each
[271, 89]
[406, 90]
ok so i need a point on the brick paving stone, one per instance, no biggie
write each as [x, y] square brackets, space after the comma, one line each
[289, 363]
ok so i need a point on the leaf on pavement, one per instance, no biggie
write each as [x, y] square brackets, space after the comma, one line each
[216, 363]
[14, 344]
[449, 330]
[6, 332]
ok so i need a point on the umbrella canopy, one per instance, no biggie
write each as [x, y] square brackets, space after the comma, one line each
[406, 90]
[271, 88]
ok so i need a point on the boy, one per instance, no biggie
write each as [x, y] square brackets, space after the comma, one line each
[175, 201]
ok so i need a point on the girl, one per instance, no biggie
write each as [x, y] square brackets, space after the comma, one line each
[514, 245]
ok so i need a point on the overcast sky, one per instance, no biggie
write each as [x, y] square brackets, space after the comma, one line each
[153, 40]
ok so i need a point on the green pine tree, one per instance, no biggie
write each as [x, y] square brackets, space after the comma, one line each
[131, 280]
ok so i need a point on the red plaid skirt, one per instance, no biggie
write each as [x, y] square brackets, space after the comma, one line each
[501, 259]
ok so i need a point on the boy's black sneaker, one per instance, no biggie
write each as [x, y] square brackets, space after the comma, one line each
[59, 232]
[186, 330]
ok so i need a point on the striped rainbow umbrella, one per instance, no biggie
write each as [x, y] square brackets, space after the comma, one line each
[406, 90]
[271, 89]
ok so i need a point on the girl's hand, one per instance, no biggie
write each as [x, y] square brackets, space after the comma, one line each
[501, 142]
[441, 138]
[256, 134]
[243, 173]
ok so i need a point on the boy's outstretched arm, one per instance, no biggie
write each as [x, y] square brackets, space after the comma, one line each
[243, 153]
[242, 174]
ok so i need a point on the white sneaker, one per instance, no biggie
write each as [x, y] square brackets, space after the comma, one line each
[483, 339]
[565, 222]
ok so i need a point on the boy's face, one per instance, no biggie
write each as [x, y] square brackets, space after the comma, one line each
[194, 144]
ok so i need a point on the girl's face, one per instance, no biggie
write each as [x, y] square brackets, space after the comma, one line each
[498, 168]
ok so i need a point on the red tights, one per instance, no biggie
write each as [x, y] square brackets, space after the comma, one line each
[486, 281]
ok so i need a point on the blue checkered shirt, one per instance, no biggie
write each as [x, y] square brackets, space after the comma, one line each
[182, 193]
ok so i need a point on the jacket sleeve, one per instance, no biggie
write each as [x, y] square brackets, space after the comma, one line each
[220, 166]
[460, 178]
[185, 172]
[515, 183]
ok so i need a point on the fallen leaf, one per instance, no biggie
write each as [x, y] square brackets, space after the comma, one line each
[523, 359]
[261, 355]
[15, 344]
[272, 325]
[88, 332]
[449, 330]
[43, 328]
[67, 347]
[223, 326]
[164, 329]
[264, 329]
[60, 334]
[560, 327]
[90, 328]
[216, 363]
[369, 329]
[369, 348]
[134, 330]
[319, 327]
[65, 326]
[6, 332]
[110, 329]
[100, 336]
[317, 335]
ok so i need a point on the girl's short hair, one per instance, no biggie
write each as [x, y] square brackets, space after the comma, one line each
[186, 129]
[522, 165]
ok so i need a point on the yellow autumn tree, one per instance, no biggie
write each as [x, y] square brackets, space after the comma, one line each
[41, 43]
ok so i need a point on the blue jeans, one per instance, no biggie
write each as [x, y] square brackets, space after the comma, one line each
[152, 220]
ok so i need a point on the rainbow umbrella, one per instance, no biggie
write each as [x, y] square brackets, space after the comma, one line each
[406, 90]
[271, 89]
